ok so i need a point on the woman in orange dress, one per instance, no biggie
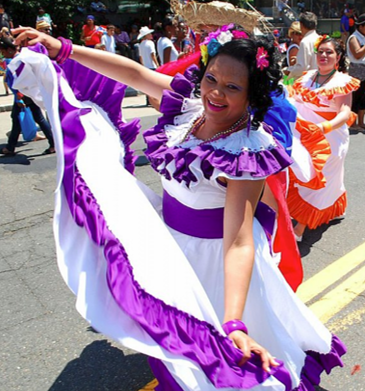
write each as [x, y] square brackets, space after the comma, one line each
[323, 99]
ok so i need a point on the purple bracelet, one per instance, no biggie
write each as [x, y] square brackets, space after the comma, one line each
[65, 51]
[234, 325]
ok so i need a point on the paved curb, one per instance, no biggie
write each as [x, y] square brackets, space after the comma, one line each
[4, 108]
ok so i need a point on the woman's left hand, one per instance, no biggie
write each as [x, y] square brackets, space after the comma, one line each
[247, 345]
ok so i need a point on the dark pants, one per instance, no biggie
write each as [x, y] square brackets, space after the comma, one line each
[124, 50]
[38, 118]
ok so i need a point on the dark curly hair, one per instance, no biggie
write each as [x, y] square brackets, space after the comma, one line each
[261, 83]
[340, 51]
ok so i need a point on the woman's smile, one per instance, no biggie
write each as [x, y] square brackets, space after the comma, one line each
[224, 90]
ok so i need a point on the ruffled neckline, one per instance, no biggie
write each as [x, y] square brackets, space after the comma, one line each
[341, 84]
[239, 155]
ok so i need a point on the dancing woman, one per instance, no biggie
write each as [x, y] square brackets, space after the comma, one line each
[210, 262]
[323, 99]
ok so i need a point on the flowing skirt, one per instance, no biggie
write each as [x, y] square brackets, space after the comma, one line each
[153, 289]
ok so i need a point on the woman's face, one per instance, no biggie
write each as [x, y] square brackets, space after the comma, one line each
[327, 58]
[224, 91]
[296, 38]
[171, 30]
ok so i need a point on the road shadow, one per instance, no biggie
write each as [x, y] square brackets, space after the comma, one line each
[354, 131]
[313, 236]
[104, 367]
[321, 389]
[18, 158]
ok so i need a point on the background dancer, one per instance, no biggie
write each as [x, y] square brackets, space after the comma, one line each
[323, 98]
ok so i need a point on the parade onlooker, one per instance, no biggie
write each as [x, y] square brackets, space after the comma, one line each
[181, 41]
[90, 35]
[295, 35]
[306, 57]
[44, 27]
[5, 19]
[356, 54]
[147, 51]
[108, 39]
[122, 41]
[165, 48]
[44, 17]
[133, 37]
[9, 50]
[345, 25]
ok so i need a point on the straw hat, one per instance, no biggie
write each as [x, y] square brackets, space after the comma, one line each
[42, 25]
[215, 13]
[143, 31]
[294, 28]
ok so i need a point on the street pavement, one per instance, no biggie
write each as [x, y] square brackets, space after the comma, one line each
[46, 345]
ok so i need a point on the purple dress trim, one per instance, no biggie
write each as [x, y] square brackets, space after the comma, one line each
[104, 92]
[316, 363]
[165, 380]
[174, 330]
[259, 164]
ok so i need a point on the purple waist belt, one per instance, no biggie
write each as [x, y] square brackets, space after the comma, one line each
[207, 223]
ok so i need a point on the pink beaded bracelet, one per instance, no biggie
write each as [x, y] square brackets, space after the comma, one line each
[65, 51]
[234, 325]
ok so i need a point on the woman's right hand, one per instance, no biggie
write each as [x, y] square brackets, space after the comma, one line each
[247, 345]
[27, 36]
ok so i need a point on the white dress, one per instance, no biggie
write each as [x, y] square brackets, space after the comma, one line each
[146, 285]
[317, 192]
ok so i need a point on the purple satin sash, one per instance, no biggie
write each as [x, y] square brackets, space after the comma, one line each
[207, 223]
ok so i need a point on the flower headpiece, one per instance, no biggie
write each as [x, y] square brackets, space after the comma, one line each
[318, 42]
[218, 38]
[261, 58]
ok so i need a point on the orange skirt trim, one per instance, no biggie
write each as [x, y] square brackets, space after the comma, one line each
[307, 214]
[312, 96]
[319, 149]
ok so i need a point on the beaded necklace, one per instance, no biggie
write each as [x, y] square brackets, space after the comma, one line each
[315, 80]
[196, 125]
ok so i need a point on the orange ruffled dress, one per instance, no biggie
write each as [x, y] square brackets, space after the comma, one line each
[317, 193]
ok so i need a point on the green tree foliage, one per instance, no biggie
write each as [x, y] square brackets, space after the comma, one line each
[24, 12]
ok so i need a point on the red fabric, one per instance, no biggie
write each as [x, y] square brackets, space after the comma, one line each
[179, 66]
[285, 243]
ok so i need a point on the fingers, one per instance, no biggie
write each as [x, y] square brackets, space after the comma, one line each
[27, 36]
[247, 345]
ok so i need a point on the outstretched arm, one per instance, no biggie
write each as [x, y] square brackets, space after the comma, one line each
[239, 253]
[115, 67]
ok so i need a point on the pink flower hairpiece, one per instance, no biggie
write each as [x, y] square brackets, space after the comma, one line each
[261, 58]
[216, 39]
[239, 34]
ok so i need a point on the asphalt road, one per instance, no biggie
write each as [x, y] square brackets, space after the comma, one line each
[46, 345]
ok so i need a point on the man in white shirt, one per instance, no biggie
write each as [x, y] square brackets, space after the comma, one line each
[108, 39]
[147, 50]
[306, 58]
[147, 53]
